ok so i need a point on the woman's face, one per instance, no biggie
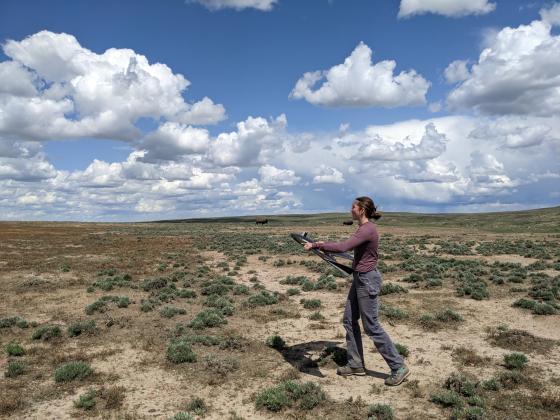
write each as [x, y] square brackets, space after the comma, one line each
[356, 211]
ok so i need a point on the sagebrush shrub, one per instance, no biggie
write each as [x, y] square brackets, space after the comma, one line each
[207, 318]
[46, 332]
[14, 369]
[86, 401]
[180, 351]
[82, 327]
[515, 360]
[311, 303]
[276, 342]
[72, 371]
[14, 349]
[380, 412]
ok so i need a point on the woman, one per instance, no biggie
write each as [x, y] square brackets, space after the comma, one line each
[362, 299]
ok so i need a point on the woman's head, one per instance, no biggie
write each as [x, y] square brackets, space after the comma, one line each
[365, 206]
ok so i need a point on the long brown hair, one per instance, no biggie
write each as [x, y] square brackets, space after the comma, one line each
[367, 205]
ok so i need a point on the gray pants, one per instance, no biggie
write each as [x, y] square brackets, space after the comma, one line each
[362, 303]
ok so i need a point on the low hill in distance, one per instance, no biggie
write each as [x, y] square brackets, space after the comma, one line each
[528, 221]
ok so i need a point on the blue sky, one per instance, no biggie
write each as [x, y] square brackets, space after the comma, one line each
[445, 127]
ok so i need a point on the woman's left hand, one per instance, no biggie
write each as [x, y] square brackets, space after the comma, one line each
[307, 246]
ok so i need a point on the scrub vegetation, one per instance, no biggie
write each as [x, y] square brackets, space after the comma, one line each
[225, 319]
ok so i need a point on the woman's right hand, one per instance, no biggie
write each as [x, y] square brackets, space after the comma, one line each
[308, 245]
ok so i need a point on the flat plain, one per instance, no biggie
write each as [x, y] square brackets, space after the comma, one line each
[221, 318]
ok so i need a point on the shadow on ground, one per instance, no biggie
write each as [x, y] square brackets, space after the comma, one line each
[309, 357]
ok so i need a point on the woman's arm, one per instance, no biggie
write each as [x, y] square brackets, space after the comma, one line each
[356, 239]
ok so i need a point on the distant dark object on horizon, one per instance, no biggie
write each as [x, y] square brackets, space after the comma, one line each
[261, 221]
[348, 222]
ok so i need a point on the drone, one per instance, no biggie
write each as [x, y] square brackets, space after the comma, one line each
[328, 257]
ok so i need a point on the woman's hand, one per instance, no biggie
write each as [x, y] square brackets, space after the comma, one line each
[307, 246]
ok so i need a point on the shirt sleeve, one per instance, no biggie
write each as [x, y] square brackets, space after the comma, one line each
[356, 239]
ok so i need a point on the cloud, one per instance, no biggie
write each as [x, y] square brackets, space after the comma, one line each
[431, 146]
[253, 140]
[514, 132]
[275, 177]
[172, 140]
[517, 73]
[551, 15]
[53, 88]
[488, 174]
[263, 5]
[457, 71]
[27, 170]
[359, 83]
[328, 175]
[450, 8]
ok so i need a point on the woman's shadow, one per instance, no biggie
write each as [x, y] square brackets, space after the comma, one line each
[309, 357]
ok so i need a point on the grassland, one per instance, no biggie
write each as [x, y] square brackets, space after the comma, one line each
[220, 318]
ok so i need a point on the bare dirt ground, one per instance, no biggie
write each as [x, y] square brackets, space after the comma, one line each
[47, 268]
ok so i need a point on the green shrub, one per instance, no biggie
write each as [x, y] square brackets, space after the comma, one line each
[82, 327]
[14, 369]
[180, 351]
[123, 302]
[147, 305]
[14, 349]
[491, 384]
[171, 311]
[293, 291]
[326, 281]
[447, 398]
[13, 320]
[448, 315]
[197, 406]
[316, 316]
[460, 384]
[205, 340]
[186, 293]
[402, 349]
[380, 412]
[71, 371]
[46, 332]
[308, 394]
[86, 401]
[389, 288]
[392, 313]
[262, 299]
[276, 342]
[97, 306]
[222, 303]
[311, 303]
[473, 413]
[515, 360]
[241, 290]
[207, 318]
[153, 284]
[524, 303]
[544, 309]
[510, 379]
[273, 399]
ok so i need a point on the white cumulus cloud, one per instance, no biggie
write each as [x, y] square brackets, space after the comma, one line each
[274, 177]
[53, 88]
[358, 82]
[328, 175]
[432, 145]
[450, 8]
[517, 73]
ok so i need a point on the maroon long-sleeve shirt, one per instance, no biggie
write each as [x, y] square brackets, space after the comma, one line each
[364, 243]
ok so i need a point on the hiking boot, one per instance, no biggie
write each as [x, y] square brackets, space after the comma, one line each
[349, 370]
[398, 376]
